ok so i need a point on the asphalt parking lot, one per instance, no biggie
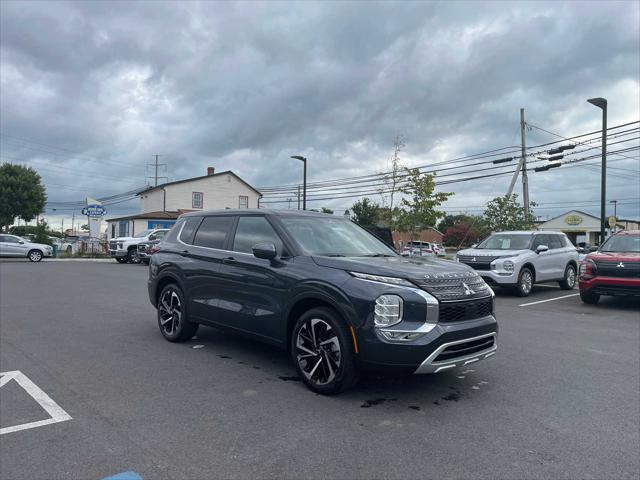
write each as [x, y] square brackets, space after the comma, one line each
[559, 400]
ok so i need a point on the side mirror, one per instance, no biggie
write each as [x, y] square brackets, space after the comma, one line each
[542, 248]
[474, 245]
[265, 250]
[21, 242]
[152, 238]
[593, 249]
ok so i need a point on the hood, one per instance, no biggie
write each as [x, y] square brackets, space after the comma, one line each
[123, 239]
[483, 252]
[615, 256]
[403, 267]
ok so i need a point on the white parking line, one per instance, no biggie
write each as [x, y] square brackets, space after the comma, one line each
[54, 410]
[549, 300]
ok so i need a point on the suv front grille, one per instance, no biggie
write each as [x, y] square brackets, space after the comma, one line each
[113, 245]
[608, 268]
[477, 262]
[455, 286]
[461, 311]
[463, 349]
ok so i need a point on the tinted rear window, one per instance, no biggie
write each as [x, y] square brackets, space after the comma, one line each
[213, 232]
[253, 230]
[190, 225]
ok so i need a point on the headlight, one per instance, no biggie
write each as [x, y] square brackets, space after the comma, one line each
[508, 266]
[380, 279]
[388, 310]
[120, 246]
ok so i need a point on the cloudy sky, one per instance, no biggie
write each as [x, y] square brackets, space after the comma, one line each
[90, 91]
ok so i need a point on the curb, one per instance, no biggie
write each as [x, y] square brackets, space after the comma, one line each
[97, 260]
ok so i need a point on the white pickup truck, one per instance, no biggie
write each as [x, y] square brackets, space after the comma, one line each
[124, 249]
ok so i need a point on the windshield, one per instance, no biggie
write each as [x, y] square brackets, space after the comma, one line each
[622, 243]
[143, 234]
[335, 238]
[506, 241]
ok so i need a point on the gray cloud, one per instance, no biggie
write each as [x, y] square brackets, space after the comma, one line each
[244, 85]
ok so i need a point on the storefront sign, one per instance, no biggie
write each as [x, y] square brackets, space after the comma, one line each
[612, 221]
[94, 211]
[573, 219]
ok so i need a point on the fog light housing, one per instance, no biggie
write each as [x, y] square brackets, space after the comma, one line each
[388, 310]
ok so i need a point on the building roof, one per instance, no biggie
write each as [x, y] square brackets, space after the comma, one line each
[149, 215]
[227, 172]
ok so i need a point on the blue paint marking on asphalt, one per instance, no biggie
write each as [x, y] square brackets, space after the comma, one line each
[124, 476]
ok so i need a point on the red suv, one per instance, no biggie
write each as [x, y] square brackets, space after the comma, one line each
[613, 270]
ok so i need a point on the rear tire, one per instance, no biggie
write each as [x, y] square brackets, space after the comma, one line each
[322, 351]
[589, 298]
[121, 259]
[35, 255]
[173, 317]
[569, 280]
[525, 283]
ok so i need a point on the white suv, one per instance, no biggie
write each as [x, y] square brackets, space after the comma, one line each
[518, 260]
[125, 249]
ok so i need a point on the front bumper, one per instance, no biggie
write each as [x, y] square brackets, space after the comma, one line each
[611, 286]
[501, 279]
[118, 253]
[425, 354]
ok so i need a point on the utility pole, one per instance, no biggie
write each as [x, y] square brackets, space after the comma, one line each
[522, 165]
[155, 166]
[602, 104]
[525, 180]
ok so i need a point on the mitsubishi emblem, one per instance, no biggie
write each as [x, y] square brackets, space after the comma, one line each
[467, 290]
[620, 265]
[473, 259]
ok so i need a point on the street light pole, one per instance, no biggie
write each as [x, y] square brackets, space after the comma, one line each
[602, 104]
[304, 180]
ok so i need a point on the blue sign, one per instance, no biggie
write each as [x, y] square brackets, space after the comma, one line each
[94, 211]
[154, 224]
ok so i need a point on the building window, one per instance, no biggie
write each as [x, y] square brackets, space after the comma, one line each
[123, 229]
[244, 201]
[196, 199]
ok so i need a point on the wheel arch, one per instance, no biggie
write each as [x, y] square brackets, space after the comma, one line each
[167, 279]
[530, 266]
[306, 302]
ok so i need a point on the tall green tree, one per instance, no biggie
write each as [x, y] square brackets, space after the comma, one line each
[365, 212]
[419, 210]
[21, 194]
[506, 213]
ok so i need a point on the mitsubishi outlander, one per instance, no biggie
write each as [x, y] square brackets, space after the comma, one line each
[333, 295]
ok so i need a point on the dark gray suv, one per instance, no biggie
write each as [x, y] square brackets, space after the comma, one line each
[331, 293]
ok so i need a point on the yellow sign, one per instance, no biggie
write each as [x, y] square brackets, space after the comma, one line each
[612, 221]
[573, 219]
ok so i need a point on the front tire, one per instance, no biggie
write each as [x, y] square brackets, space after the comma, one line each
[589, 298]
[569, 280]
[132, 256]
[173, 318]
[35, 255]
[525, 283]
[322, 352]
[121, 259]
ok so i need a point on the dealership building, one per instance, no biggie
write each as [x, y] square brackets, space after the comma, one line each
[582, 227]
[160, 206]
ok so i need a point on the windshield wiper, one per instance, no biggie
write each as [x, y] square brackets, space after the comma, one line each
[371, 255]
[333, 255]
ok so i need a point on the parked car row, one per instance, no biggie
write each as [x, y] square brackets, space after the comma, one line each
[417, 248]
[15, 246]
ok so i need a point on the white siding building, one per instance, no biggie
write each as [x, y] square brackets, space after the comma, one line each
[160, 206]
[579, 226]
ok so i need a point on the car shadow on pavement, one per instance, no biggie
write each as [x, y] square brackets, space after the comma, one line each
[392, 389]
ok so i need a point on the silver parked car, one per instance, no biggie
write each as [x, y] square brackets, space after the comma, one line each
[14, 246]
[518, 260]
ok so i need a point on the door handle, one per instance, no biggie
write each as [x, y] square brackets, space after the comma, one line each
[184, 253]
[229, 260]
